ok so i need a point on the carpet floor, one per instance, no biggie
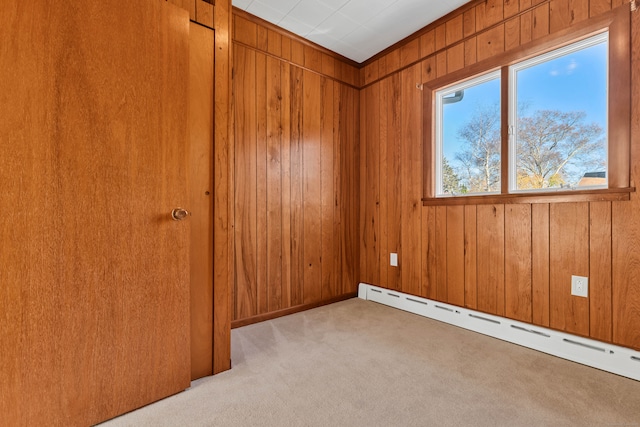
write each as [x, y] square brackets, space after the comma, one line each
[358, 363]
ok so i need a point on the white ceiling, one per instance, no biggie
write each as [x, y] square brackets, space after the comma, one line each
[356, 29]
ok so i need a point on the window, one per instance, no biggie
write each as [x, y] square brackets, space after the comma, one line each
[468, 137]
[548, 123]
[558, 118]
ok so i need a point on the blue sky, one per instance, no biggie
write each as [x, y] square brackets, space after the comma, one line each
[569, 83]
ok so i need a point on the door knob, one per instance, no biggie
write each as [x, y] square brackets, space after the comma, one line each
[178, 214]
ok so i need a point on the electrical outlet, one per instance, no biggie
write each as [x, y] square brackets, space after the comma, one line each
[393, 259]
[580, 286]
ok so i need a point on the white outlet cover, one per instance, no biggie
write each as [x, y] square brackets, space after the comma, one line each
[580, 286]
[393, 259]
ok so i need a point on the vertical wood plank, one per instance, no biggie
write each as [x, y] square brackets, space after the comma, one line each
[389, 176]
[371, 183]
[600, 292]
[440, 36]
[274, 42]
[511, 7]
[569, 255]
[336, 141]
[540, 263]
[386, 208]
[285, 84]
[454, 30]
[512, 33]
[297, 201]
[564, 13]
[286, 48]
[428, 69]
[598, 7]
[470, 258]
[392, 63]
[362, 200]
[312, 188]
[471, 51]
[517, 243]
[469, 22]
[429, 253]
[491, 42]
[441, 291]
[410, 53]
[274, 205]
[540, 21]
[491, 259]
[560, 14]
[261, 180]
[455, 57]
[411, 174]
[350, 189]
[427, 43]
[441, 64]
[455, 255]
[262, 39]
[245, 181]
[328, 65]
[488, 13]
[297, 53]
[326, 177]
[526, 24]
[245, 31]
[371, 72]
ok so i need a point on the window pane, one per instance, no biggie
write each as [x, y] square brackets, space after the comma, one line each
[561, 119]
[469, 137]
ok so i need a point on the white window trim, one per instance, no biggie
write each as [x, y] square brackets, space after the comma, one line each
[439, 95]
[513, 102]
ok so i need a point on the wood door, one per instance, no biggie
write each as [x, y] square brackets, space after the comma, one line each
[201, 197]
[94, 274]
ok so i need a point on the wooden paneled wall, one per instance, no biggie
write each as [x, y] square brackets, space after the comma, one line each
[509, 260]
[277, 43]
[296, 173]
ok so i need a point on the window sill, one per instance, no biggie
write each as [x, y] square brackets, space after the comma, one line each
[604, 195]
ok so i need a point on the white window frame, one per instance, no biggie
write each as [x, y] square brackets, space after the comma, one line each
[439, 117]
[513, 110]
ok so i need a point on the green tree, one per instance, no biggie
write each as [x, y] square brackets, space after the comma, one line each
[450, 179]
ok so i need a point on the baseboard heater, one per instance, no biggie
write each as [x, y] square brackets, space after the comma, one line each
[608, 357]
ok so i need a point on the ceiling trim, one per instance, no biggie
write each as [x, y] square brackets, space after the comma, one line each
[297, 65]
[248, 16]
[462, 40]
[459, 11]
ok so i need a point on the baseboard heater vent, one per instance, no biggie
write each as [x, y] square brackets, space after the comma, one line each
[608, 357]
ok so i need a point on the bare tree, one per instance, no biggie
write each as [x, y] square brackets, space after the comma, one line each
[553, 149]
[480, 156]
[550, 143]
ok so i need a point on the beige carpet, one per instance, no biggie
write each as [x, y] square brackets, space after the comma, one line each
[358, 363]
